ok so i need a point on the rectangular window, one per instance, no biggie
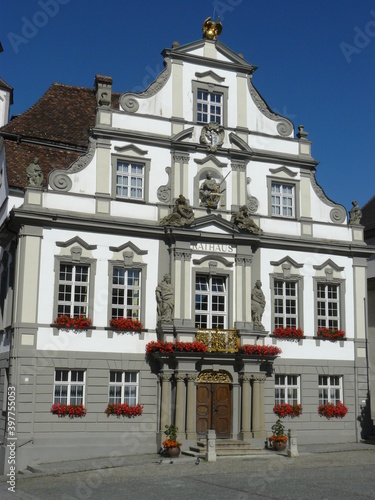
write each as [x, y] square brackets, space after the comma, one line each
[73, 293]
[123, 387]
[285, 303]
[69, 387]
[130, 180]
[287, 389]
[211, 301]
[126, 293]
[328, 305]
[209, 107]
[282, 199]
[330, 389]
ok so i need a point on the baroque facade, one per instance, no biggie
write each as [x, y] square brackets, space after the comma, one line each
[192, 209]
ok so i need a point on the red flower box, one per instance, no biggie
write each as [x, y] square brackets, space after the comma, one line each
[62, 410]
[126, 324]
[260, 350]
[124, 410]
[288, 333]
[331, 333]
[329, 410]
[65, 322]
[287, 410]
[169, 347]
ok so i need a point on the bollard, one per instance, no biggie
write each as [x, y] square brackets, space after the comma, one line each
[211, 446]
[292, 444]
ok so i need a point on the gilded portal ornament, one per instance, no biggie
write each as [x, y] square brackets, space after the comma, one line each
[211, 29]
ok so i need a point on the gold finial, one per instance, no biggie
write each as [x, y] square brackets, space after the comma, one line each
[211, 29]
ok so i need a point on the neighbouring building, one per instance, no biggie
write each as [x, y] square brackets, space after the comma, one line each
[368, 221]
[192, 208]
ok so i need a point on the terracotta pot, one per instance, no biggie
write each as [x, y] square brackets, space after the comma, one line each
[173, 452]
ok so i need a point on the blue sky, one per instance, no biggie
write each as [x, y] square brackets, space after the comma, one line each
[316, 62]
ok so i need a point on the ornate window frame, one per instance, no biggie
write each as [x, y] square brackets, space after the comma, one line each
[286, 277]
[145, 162]
[329, 280]
[75, 259]
[296, 196]
[210, 271]
[128, 263]
[211, 88]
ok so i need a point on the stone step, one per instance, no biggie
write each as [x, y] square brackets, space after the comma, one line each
[224, 447]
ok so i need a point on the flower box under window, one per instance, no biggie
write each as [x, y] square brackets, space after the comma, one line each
[288, 333]
[124, 410]
[330, 333]
[64, 322]
[126, 324]
[287, 410]
[72, 411]
[330, 410]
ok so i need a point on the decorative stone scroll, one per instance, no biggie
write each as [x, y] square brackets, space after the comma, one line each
[164, 192]
[60, 181]
[338, 213]
[129, 102]
[284, 126]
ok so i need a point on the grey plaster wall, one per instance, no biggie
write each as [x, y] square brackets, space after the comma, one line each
[94, 435]
[310, 426]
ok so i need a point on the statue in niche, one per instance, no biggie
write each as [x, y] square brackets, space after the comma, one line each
[165, 300]
[182, 214]
[34, 174]
[209, 192]
[258, 304]
[355, 214]
[244, 222]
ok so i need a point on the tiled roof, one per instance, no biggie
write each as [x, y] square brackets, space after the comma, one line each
[55, 129]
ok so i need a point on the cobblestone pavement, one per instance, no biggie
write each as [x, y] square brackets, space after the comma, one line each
[320, 472]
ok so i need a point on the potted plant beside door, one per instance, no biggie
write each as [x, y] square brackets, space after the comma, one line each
[171, 444]
[278, 439]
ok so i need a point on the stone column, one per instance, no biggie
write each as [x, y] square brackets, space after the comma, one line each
[246, 416]
[165, 410]
[191, 408]
[258, 407]
[180, 406]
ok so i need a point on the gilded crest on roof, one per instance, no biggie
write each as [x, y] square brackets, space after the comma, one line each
[211, 29]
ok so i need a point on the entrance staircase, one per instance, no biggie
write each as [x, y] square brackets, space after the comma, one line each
[224, 448]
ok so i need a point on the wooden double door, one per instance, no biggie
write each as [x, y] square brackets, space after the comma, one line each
[214, 409]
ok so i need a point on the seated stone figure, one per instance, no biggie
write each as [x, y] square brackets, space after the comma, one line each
[244, 222]
[182, 214]
[209, 192]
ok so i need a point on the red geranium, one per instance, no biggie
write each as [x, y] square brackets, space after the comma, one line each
[126, 324]
[76, 323]
[124, 409]
[287, 410]
[331, 333]
[288, 333]
[62, 409]
[177, 346]
[260, 350]
[330, 410]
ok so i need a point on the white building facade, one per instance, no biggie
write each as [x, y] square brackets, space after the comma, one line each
[99, 237]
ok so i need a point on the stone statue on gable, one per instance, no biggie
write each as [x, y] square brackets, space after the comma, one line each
[34, 174]
[355, 214]
[244, 222]
[182, 214]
